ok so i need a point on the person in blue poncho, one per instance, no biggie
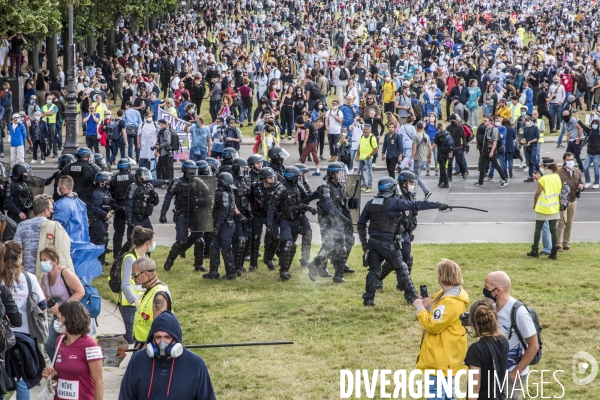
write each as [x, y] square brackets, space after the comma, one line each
[71, 212]
[165, 369]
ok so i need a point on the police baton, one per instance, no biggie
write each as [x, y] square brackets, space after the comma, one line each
[467, 208]
[206, 346]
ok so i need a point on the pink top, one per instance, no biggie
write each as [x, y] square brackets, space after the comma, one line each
[74, 377]
[58, 289]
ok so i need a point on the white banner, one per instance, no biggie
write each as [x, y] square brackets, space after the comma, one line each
[178, 126]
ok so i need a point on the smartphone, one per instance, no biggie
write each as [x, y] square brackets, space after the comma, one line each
[424, 291]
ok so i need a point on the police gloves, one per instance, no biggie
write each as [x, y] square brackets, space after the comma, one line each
[312, 210]
[443, 207]
[365, 247]
[240, 217]
[162, 219]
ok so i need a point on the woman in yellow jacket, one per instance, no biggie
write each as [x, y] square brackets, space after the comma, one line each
[546, 203]
[444, 343]
[503, 110]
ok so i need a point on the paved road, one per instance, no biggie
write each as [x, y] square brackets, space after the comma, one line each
[510, 216]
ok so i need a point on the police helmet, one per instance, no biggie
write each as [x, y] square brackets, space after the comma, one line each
[143, 175]
[266, 172]
[99, 160]
[274, 154]
[213, 163]
[225, 181]
[406, 176]
[84, 152]
[255, 159]
[240, 167]
[303, 168]
[334, 168]
[65, 160]
[228, 155]
[203, 168]
[189, 168]
[387, 186]
[124, 164]
[291, 174]
[102, 177]
[19, 169]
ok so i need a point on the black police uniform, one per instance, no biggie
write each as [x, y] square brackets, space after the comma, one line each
[83, 174]
[337, 231]
[223, 215]
[286, 205]
[259, 199]
[18, 199]
[305, 228]
[408, 225]
[119, 185]
[140, 203]
[179, 189]
[385, 215]
[253, 176]
[101, 204]
[242, 229]
[278, 168]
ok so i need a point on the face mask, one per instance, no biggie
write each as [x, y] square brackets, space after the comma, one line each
[48, 101]
[566, 118]
[45, 266]
[96, 89]
[497, 124]
[31, 101]
[594, 126]
[529, 123]
[546, 171]
[37, 118]
[59, 327]
[411, 188]
[570, 164]
[151, 248]
[320, 107]
[285, 87]
[431, 119]
[488, 293]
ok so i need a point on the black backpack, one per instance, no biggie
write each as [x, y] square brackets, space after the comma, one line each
[343, 74]
[114, 276]
[447, 143]
[175, 145]
[315, 92]
[536, 322]
[113, 131]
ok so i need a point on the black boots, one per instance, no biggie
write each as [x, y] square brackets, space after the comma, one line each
[535, 253]
[285, 260]
[270, 253]
[306, 241]
[239, 249]
[214, 263]
[230, 273]
[175, 250]
[199, 255]
[348, 270]
[254, 246]
[339, 273]
[510, 173]
[553, 253]
[369, 303]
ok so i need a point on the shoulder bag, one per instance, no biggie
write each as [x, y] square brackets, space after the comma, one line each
[49, 391]
[38, 323]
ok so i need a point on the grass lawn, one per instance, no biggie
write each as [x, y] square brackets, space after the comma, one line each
[332, 330]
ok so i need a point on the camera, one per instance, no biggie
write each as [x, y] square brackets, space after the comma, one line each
[464, 319]
[152, 148]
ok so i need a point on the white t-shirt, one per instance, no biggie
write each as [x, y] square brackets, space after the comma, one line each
[526, 328]
[357, 131]
[335, 128]
[19, 292]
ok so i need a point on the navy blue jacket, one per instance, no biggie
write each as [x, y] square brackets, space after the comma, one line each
[392, 150]
[43, 131]
[25, 361]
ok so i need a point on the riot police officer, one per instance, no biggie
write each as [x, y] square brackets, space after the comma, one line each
[335, 221]
[179, 189]
[83, 171]
[275, 155]
[99, 161]
[255, 162]
[260, 195]
[229, 154]
[287, 204]
[141, 200]
[19, 197]
[101, 210]
[213, 163]
[63, 161]
[119, 184]
[223, 214]
[203, 168]
[305, 229]
[384, 214]
[239, 171]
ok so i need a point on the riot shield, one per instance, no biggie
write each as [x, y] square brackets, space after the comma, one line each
[36, 185]
[353, 192]
[201, 202]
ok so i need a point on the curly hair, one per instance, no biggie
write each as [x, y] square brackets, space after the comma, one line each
[76, 317]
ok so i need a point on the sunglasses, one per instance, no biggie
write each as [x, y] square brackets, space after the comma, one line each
[134, 275]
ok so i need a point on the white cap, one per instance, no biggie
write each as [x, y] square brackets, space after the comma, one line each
[15, 116]
[519, 67]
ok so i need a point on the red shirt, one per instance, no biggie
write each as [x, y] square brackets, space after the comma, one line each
[567, 81]
[74, 378]
[244, 91]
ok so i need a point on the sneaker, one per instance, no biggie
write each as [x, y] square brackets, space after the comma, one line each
[478, 184]
[503, 183]
[1, 154]
[489, 179]
[437, 172]
[521, 164]
[43, 162]
[587, 185]
[427, 196]
[558, 146]
[368, 190]
[316, 173]
[530, 179]
[596, 186]
[363, 188]
[426, 174]
[524, 166]
[465, 176]
[33, 161]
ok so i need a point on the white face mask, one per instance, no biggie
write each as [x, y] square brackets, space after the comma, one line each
[497, 124]
[151, 248]
[529, 123]
[59, 327]
[148, 119]
[570, 164]
[411, 188]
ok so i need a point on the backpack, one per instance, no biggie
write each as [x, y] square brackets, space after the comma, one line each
[447, 143]
[10, 230]
[114, 276]
[113, 131]
[175, 145]
[343, 74]
[90, 300]
[7, 99]
[536, 323]
[315, 92]
[314, 132]
[417, 109]
[564, 197]
[181, 111]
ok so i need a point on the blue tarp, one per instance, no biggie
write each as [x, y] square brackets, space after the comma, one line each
[85, 260]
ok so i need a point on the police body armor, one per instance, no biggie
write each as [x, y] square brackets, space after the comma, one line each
[409, 218]
[24, 196]
[241, 193]
[182, 196]
[224, 200]
[278, 169]
[379, 219]
[338, 197]
[291, 202]
[75, 171]
[120, 183]
[260, 198]
[143, 201]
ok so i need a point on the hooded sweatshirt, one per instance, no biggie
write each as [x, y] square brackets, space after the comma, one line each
[444, 344]
[183, 378]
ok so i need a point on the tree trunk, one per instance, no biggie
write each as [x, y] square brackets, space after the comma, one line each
[100, 46]
[52, 59]
[134, 24]
[65, 41]
[147, 22]
[32, 57]
[153, 20]
[90, 44]
[110, 42]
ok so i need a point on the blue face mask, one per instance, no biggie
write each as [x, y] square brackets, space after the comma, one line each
[45, 266]
[151, 248]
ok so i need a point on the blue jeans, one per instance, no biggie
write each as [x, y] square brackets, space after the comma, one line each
[462, 159]
[474, 116]
[502, 162]
[546, 239]
[589, 159]
[487, 110]
[435, 152]
[509, 159]
[132, 144]
[531, 156]
[197, 157]
[246, 114]
[433, 390]
[146, 163]
[417, 169]
[50, 344]
[115, 146]
[352, 155]
[365, 170]
[58, 128]
[555, 111]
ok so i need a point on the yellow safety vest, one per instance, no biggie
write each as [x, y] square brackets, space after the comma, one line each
[539, 122]
[49, 119]
[138, 293]
[144, 315]
[513, 112]
[366, 146]
[548, 202]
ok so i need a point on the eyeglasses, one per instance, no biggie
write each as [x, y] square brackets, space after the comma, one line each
[134, 275]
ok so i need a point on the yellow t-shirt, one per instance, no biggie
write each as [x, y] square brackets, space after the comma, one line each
[366, 146]
[389, 91]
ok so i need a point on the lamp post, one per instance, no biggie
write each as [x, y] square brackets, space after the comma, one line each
[70, 146]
